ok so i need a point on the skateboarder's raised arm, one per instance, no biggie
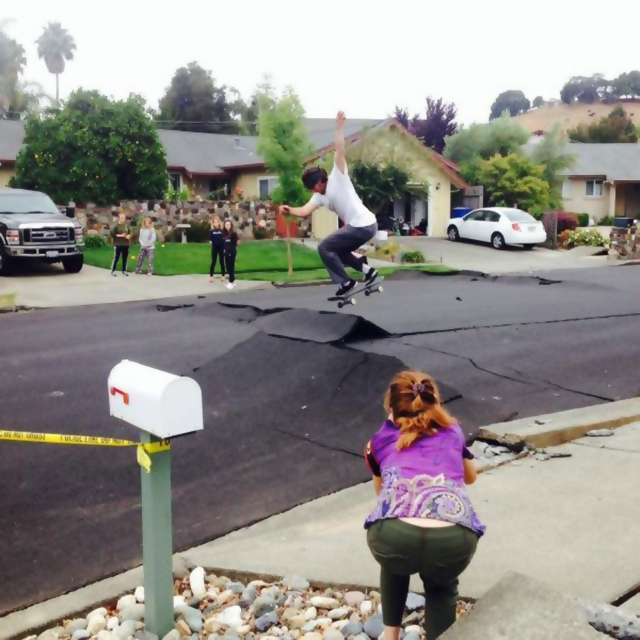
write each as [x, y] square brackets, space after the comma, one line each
[301, 212]
[341, 156]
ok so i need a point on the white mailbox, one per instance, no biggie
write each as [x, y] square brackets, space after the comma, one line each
[158, 402]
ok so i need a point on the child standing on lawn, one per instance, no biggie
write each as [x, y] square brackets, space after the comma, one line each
[230, 250]
[147, 239]
[121, 234]
[216, 238]
[423, 522]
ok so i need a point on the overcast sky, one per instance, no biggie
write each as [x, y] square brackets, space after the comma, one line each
[363, 56]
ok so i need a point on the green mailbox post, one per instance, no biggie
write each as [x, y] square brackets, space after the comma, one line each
[162, 406]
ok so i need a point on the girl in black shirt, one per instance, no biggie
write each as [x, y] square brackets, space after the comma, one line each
[216, 238]
[230, 246]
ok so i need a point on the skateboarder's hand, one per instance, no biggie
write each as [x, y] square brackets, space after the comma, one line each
[340, 119]
[285, 210]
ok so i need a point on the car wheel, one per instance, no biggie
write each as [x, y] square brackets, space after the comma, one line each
[528, 247]
[452, 233]
[5, 263]
[73, 264]
[497, 241]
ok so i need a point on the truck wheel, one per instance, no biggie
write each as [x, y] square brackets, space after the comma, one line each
[73, 264]
[5, 264]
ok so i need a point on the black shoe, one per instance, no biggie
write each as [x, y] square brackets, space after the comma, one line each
[370, 276]
[346, 287]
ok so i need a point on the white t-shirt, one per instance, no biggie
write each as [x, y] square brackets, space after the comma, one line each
[341, 198]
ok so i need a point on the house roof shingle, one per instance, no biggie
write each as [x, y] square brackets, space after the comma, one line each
[615, 161]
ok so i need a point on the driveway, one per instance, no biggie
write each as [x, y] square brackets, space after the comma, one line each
[473, 256]
[50, 286]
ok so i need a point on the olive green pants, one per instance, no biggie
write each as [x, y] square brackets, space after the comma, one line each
[439, 555]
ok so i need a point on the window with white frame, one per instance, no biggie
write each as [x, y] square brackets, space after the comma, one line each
[566, 189]
[266, 185]
[594, 188]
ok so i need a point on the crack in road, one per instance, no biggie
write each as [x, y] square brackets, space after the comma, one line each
[513, 324]
[322, 445]
[525, 379]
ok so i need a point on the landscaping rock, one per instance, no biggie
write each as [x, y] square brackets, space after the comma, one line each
[126, 601]
[366, 607]
[248, 596]
[95, 623]
[332, 634]
[126, 629]
[74, 625]
[414, 601]
[322, 602]
[296, 583]
[354, 598]
[132, 612]
[374, 626]
[352, 629]
[266, 621]
[196, 582]
[235, 587]
[263, 604]
[80, 634]
[339, 613]
[139, 594]
[192, 616]
[231, 616]
[174, 634]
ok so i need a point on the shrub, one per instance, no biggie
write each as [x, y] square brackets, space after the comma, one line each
[263, 233]
[566, 220]
[413, 257]
[607, 221]
[584, 237]
[583, 219]
[94, 242]
[387, 250]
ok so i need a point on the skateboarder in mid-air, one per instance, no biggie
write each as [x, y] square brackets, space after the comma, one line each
[336, 192]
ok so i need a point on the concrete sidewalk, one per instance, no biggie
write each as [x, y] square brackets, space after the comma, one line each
[51, 287]
[570, 522]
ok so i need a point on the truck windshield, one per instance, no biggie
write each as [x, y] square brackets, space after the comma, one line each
[26, 203]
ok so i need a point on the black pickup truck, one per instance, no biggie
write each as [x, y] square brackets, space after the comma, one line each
[32, 228]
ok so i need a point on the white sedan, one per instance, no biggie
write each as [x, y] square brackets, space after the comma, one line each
[498, 225]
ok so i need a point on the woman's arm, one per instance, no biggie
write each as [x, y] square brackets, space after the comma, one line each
[470, 473]
[377, 484]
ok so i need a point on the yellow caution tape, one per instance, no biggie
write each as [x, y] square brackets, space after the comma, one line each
[143, 450]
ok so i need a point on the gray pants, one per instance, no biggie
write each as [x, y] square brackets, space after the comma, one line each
[148, 253]
[336, 250]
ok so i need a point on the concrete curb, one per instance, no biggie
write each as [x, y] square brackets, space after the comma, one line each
[541, 431]
[557, 428]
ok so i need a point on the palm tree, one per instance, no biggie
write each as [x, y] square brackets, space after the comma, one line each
[55, 45]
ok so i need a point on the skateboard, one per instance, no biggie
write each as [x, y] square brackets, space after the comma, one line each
[350, 297]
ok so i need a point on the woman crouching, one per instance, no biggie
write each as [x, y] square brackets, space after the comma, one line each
[423, 521]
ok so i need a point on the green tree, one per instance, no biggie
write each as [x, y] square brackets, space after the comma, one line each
[56, 45]
[538, 102]
[616, 127]
[585, 89]
[551, 153]
[627, 85]
[379, 186]
[93, 150]
[512, 101]
[469, 146]
[438, 124]
[284, 144]
[514, 181]
[12, 61]
[193, 102]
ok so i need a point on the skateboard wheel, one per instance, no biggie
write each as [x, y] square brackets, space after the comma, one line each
[380, 289]
[352, 301]
[367, 293]
[340, 305]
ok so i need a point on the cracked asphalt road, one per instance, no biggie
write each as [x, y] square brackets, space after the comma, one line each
[290, 398]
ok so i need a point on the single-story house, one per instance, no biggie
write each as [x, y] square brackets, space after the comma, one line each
[604, 180]
[206, 162]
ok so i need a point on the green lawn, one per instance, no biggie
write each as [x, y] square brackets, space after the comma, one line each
[179, 259]
[257, 260]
